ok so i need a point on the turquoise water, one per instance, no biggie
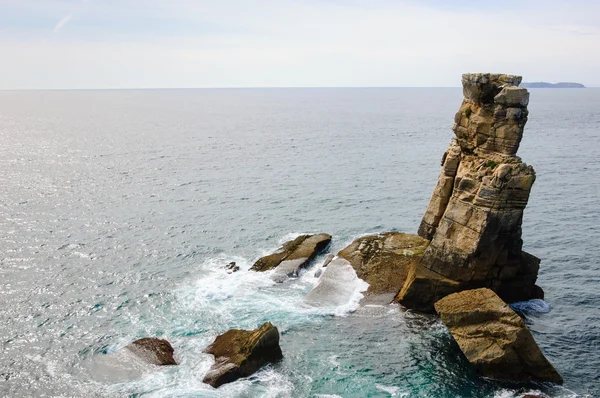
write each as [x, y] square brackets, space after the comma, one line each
[119, 209]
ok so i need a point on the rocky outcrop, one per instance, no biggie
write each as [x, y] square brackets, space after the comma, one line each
[475, 213]
[384, 260]
[493, 337]
[240, 353]
[152, 350]
[292, 256]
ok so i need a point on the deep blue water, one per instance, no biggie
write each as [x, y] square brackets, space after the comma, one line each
[118, 210]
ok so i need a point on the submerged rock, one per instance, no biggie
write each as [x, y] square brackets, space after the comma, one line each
[293, 256]
[475, 213]
[232, 267]
[493, 337]
[384, 260]
[153, 350]
[239, 353]
[132, 361]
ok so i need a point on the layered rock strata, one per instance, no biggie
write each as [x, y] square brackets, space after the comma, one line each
[292, 256]
[475, 213]
[240, 353]
[493, 337]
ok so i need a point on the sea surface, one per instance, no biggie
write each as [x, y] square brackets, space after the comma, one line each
[120, 209]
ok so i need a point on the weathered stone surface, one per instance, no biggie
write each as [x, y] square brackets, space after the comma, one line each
[293, 256]
[493, 337]
[239, 353]
[153, 350]
[475, 213]
[384, 260]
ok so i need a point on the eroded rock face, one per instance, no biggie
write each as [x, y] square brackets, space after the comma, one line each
[239, 353]
[153, 350]
[292, 256]
[493, 337]
[384, 260]
[475, 213]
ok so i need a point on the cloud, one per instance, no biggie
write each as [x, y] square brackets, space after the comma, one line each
[62, 22]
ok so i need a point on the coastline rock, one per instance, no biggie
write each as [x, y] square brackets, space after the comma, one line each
[384, 260]
[493, 337]
[292, 256]
[475, 213]
[153, 350]
[240, 353]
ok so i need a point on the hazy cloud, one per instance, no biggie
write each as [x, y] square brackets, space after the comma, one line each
[62, 22]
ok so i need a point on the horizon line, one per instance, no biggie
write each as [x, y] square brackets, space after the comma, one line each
[238, 88]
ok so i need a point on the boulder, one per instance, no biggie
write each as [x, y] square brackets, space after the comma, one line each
[240, 353]
[475, 213]
[384, 260]
[292, 256]
[493, 337]
[152, 350]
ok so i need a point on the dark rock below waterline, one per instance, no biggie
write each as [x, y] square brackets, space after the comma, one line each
[153, 350]
[493, 337]
[232, 267]
[292, 256]
[384, 260]
[239, 353]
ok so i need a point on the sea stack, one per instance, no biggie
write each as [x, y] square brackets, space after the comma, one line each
[475, 213]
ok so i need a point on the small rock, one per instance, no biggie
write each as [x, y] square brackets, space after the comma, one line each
[318, 272]
[232, 267]
[327, 260]
[153, 350]
[292, 256]
[240, 353]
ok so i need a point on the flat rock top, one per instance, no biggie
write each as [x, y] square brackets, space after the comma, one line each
[383, 260]
[475, 306]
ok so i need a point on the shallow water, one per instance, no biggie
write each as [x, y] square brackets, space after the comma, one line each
[118, 210]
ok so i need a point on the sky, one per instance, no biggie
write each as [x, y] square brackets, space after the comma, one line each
[76, 44]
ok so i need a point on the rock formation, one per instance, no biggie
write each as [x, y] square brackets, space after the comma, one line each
[475, 213]
[153, 350]
[239, 353]
[384, 260]
[292, 256]
[493, 337]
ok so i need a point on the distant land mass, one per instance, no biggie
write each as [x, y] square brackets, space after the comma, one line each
[552, 85]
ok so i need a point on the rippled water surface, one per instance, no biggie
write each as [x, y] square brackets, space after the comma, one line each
[118, 210]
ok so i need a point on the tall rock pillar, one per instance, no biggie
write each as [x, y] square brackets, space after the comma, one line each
[475, 213]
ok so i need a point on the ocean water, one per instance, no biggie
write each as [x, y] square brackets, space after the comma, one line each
[119, 209]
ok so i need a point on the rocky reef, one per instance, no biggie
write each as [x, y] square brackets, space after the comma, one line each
[493, 337]
[239, 353]
[292, 256]
[475, 213]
